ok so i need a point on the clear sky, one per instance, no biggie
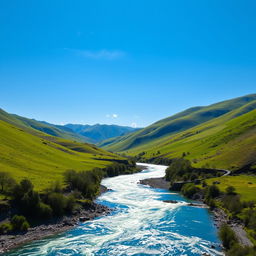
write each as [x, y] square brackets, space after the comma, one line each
[123, 61]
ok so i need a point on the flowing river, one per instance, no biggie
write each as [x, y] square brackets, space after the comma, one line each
[141, 224]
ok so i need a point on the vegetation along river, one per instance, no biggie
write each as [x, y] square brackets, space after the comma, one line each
[141, 224]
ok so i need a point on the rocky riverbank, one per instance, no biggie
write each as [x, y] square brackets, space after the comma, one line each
[156, 183]
[219, 216]
[54, 227]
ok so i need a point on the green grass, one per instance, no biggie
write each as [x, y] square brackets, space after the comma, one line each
[245, 185]
[162, 130]
[228, 141]
[27, 153]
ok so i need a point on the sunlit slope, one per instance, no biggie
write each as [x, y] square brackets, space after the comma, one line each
[54, 130]
[44, 158]
[225, 142]
[175, 124]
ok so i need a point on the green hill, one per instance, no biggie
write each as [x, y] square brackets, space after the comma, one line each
[222, 135]
[27, 152]
[54, 130]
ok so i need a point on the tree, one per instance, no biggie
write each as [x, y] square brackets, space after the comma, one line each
[19, 223]
[230, 190]
[6, 181]
[57, 203]
[177, 169]
[212, 191]
[227, 236]
[189, 190]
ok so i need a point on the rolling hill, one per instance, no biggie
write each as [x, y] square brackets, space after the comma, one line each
[221, 135]
[28, 152]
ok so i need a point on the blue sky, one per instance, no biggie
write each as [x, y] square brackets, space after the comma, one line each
[123, 62]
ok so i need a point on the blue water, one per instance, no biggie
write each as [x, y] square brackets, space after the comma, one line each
[142, 224]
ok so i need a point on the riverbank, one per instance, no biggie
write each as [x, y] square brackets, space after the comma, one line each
[156, 183]
[54, 227]
[219, 216]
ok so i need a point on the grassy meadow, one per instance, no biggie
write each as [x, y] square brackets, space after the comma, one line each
[43, 158]
[245, 185]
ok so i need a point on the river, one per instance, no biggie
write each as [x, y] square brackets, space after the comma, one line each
[141, 224]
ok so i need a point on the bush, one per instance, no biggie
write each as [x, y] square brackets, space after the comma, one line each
[230, 190]
[6, 182]
[87, 182]
[189, 190]
[227, 236]
[211, 203]
[212, 192]
[70, 204]
[29, 201]
[21, 189]
[5, 228]
[57, 203]
[19, 223]
[44, 211]
[232, 203]
[238, 250]
[177, 169]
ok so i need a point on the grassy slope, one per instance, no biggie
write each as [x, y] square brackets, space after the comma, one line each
[226, 142]
[26, 152]
[173, 125]
[245, 185]
[54, 130]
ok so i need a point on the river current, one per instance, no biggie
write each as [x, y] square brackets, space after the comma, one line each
[141, 224]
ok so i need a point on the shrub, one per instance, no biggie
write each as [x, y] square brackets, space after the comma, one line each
[6, 181]
[232, 203]
[5, 228]
[44, 211]
[230, 190]
[29, 201]
[189, 190]
[238, 250]
[211, 203]
[227, 236]
[57, 203]
[87, 182]
[55, 187]
[19, 190]
[25, 226]
[212, 192]
[19, 223]
[71, 203]
[177, 169]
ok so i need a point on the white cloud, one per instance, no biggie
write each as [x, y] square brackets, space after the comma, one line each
[112, 116]
[134, 125]
[100, 54]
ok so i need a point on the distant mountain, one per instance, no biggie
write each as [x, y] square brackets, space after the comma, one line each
[222, 134]
[99, 132]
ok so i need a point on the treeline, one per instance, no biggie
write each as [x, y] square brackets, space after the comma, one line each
[30, 206]
[156, 159]
[181, 170]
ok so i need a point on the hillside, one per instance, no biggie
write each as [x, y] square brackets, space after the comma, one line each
[99, 132]
[58, 131]
[174, 124]
[77, 132]
[226, 140]
[27, 152]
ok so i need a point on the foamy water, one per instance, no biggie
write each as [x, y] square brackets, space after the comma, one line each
[142, 224]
